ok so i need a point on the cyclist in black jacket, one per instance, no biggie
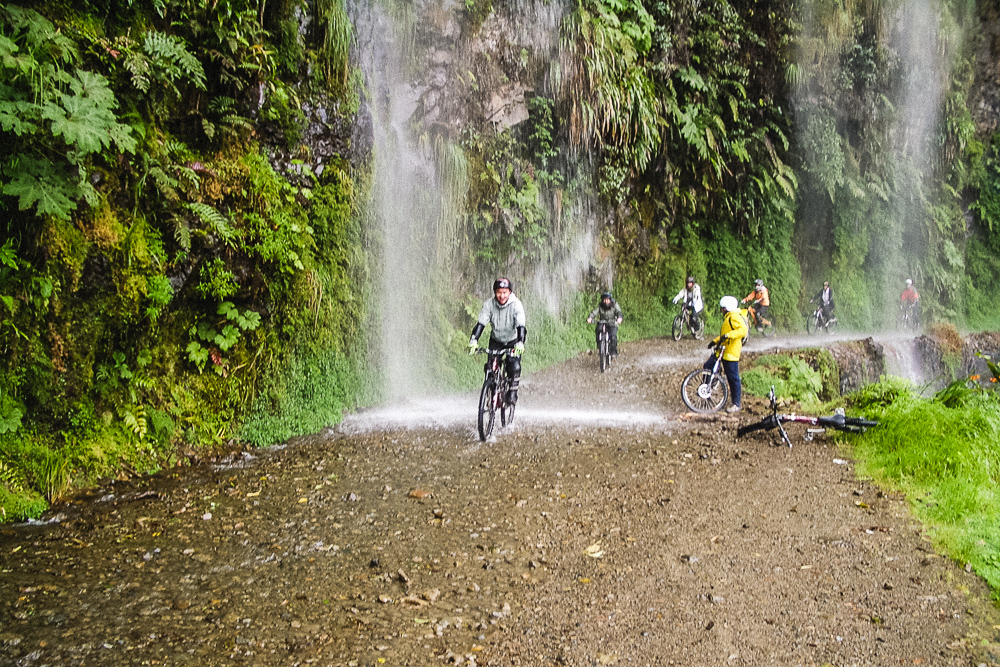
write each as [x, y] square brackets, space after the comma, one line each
[609, 312]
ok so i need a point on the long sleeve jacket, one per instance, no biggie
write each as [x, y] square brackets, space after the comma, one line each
[505, 320]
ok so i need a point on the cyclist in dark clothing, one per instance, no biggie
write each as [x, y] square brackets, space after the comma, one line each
[825, 300]
[609, 312]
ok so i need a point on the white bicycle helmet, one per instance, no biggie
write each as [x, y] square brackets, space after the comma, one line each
[729, 303]
[908, 282]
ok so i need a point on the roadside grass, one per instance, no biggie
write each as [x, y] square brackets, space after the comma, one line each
[943, 453]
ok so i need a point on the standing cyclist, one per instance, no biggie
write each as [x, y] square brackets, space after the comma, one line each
[608, 312]
[505, 315]
[734, 330]
[761, 301]
[691, 296]
[825, 300]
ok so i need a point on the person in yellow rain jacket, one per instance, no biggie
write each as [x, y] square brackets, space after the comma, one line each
[734, 331]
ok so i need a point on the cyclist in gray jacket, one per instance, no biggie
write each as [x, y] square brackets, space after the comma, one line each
[505, 315]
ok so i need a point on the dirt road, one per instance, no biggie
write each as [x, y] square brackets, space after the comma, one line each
[599, 529]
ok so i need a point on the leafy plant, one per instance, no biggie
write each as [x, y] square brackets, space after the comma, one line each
[55, 117]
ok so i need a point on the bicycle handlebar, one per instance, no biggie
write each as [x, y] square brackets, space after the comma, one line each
[493, 353]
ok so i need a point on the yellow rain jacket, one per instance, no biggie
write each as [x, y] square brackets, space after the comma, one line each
[734, 330]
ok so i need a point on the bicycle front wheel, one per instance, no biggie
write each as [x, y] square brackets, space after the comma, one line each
[704, 392]
[602, 352]
[678, 329]
[812, 323]
[699, 329]
[487, 410]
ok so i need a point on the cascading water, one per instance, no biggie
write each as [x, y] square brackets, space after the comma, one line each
[924, 71]
[411, 62]
[870, 84]
[408, 201]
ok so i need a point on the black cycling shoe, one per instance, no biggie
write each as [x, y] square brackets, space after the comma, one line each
[511, 397]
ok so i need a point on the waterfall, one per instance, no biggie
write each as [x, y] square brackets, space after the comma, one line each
[418, 66]
[924, 69]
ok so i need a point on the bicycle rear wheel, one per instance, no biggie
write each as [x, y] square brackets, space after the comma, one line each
[487, 410]
[768, 328]
[704, 392]
[831, 325]
[678, 329]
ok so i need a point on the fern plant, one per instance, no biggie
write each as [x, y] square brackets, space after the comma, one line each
[55, 118]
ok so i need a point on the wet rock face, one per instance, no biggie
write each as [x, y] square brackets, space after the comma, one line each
[986, 343]
[985, 104]
[860, 362]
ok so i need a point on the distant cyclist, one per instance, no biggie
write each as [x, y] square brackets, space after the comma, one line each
[691, 296]
[505, 315]
[761, 301]
[825, 300]
[608, 312]
[731, 336]
[910, 300]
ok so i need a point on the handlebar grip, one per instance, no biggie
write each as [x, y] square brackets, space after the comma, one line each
[858, 421]
[767, 423]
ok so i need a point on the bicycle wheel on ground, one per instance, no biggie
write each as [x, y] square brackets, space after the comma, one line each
[698, 329]
[812, 323]
[768, 329]
[702, 392]
[487, 410]
[831, 326]
[678, 329]
[602, 352]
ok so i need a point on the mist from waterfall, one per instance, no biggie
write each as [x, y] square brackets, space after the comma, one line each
[924, 69]
[420, 180]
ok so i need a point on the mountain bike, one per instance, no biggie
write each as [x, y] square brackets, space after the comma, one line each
[817, 320]
[759, 324]
[908, 317]
[683, 321]
[704, 390]
[837, 421]
[604, 345]
[493, 396]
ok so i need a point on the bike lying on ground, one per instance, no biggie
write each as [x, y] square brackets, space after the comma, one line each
[774, 420]
[604, 344]
[493, 396]
[684, 321]
[817, 320]
[704, 390]
[759, 324]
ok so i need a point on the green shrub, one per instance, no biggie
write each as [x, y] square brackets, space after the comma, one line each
[792, 377]
[946, 460]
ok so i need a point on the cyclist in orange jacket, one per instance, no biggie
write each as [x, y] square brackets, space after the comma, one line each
[761, 301]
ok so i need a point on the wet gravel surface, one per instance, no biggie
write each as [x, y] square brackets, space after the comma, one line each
[604, 527]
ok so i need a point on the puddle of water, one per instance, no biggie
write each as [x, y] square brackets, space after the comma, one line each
[452, 411]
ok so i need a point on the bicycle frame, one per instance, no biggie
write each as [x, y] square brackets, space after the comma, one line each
[493, 396]
[774, 420]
